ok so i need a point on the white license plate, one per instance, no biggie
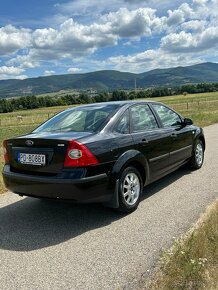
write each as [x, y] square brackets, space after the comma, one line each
[32, 159]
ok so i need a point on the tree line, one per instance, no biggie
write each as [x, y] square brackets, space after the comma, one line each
[33, 102]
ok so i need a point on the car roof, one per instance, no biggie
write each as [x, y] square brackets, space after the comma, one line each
[120, 103]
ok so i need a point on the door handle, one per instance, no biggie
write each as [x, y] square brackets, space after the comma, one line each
[144, 142]
[174, 135]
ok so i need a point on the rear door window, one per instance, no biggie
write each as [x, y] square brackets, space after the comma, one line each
[142, 118]
[122, 125]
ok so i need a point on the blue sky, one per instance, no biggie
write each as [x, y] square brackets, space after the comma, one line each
[46, 37]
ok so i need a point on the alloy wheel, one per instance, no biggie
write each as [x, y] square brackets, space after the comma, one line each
[131, 188]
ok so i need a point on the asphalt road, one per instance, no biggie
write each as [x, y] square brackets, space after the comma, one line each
[56, 245]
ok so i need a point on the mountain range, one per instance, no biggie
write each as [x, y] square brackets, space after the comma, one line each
[108, 80]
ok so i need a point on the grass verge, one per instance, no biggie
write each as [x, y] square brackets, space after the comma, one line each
[192, 262]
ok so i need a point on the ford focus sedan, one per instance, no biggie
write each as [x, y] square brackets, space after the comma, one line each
[103, 152]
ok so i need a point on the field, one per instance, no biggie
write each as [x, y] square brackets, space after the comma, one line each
[202, 108]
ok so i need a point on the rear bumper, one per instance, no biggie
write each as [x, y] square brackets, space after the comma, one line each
[84, 190]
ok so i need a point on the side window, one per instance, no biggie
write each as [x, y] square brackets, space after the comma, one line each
[168, 117]
[142, 118]
[95, 119]
[100, 115]
[122, 125]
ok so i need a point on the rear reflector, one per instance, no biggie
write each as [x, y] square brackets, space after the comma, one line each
[5, 152]
[79, 155]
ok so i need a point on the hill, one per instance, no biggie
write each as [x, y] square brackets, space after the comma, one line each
[107, 80]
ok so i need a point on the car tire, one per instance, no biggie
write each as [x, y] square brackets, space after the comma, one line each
[129, 190]
[197, 159]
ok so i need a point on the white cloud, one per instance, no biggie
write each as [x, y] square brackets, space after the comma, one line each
[194, 25]
[175, 17]
[93, 9]
[12, 77]
[200, 2]
[125, 23]
[136, 1]
[10, 70]
[44, 37]
[73, 40]
[97, 7]
[73, 70]
[151, 59]
[13, 39]
[21, 77]
[49, 72]
[188, 42]
[24, 61]
[180, 33]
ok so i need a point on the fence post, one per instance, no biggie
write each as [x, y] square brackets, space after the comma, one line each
[187, 105]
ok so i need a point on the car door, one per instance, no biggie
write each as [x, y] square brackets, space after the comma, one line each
[150, 139]
[122, 139]
[181, 136]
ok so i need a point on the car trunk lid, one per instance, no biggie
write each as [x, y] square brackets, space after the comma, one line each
[41, 153]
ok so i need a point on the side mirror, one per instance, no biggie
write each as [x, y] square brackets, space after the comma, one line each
[187, 122]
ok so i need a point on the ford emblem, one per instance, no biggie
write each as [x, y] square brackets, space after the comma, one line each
[29, 142]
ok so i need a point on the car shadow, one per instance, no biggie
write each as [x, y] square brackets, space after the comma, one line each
[156, 186]
[31, 224]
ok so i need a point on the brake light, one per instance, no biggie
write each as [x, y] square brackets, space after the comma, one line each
[79, 155]
[5, 152]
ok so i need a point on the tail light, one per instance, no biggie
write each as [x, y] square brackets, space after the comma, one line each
[79, 155]
[5, 152]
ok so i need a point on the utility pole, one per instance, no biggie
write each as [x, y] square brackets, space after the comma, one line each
[135, 85]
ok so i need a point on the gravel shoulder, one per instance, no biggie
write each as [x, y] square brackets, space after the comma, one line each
[57, 245]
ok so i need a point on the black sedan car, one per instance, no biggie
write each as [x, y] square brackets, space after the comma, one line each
[103, 152]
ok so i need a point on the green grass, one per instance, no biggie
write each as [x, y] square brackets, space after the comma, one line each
[192, 263]
[8, 132]
[202, 108]
[188, 98]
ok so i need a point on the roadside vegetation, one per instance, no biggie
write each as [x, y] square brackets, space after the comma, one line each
[60, 99]
[202, 108]
[192, 262]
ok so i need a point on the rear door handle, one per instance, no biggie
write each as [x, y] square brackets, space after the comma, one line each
[144, 142]
[174, 135]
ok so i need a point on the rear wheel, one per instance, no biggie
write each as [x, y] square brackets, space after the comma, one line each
[198, 156]
[130, 190]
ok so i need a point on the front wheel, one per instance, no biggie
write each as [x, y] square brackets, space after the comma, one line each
[130, 190]
[198, 156]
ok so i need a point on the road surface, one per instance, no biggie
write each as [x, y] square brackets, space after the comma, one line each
[57, 245]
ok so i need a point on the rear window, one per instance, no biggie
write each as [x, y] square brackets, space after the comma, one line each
[79, 119]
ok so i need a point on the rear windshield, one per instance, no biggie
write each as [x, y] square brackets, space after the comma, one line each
[79, 119]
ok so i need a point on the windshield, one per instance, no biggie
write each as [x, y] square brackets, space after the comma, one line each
[79, 119]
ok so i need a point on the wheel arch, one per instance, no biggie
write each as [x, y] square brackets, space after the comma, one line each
[199, 135]
[137, 165]
[132, 158]
[202, 139]
[129, 158]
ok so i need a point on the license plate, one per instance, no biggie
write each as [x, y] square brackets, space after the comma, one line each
[32, 159]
